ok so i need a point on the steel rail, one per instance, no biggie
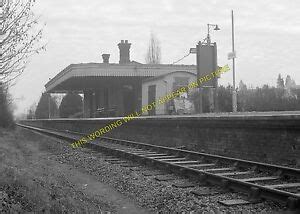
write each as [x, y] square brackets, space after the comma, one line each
[255, 191]
[192, 154]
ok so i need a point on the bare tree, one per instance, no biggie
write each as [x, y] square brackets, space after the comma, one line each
[280, 82]
[20, 34]
[154, 53]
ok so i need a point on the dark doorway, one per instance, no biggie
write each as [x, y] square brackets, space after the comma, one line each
[128, 100]
[151, 97]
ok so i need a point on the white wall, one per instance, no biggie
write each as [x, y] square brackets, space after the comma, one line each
[163, 86]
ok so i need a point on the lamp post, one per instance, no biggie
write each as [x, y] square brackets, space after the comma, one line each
[206, 61]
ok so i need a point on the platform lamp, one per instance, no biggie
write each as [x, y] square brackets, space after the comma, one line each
[208, 31]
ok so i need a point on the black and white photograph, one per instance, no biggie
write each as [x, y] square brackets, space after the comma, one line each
[144, 107]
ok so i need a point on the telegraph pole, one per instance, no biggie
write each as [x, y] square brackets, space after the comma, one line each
[234, 94]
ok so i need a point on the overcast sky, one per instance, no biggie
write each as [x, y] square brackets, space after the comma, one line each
[267, 36]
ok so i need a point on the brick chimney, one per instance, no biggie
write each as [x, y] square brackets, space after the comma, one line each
[124, 52]
[105, 58]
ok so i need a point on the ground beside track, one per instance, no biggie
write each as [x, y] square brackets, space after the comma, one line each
[31, 180]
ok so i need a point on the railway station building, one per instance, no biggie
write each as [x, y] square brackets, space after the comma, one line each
[112, 89]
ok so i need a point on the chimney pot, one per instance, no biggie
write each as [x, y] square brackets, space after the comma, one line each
[124, 52]
[105, 58]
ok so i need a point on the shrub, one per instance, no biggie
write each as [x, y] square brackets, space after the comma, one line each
[6, 116]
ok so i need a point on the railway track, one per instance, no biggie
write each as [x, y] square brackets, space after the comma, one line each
[258, 180]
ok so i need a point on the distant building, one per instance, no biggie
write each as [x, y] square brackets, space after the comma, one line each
[159, 86]
[111, 89]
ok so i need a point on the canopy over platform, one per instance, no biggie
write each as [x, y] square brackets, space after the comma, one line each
[78, 77]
